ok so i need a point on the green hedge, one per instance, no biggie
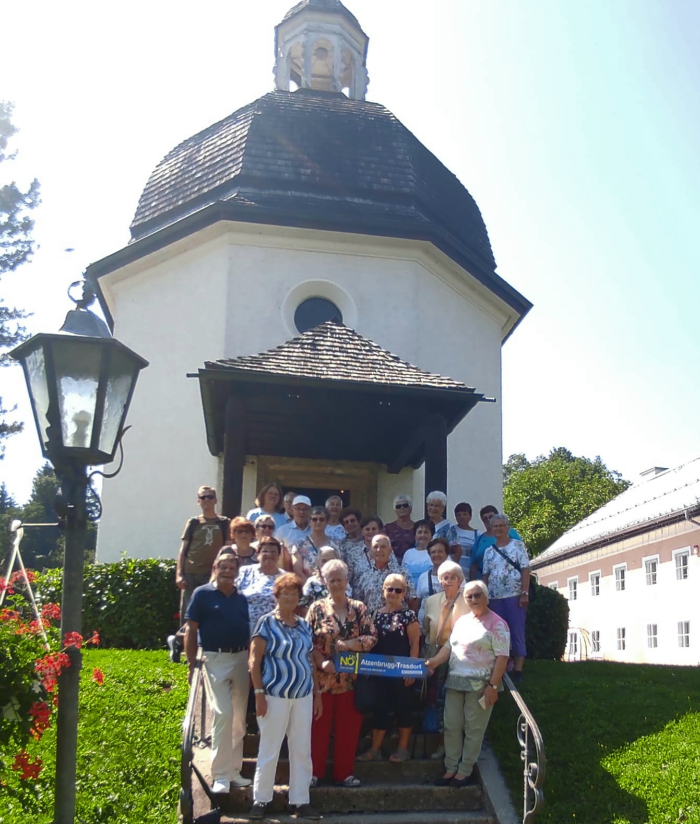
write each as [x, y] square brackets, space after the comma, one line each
[133, 604]
[547, 625]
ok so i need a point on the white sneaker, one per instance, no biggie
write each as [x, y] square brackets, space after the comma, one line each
[220, 786]
[239, 781]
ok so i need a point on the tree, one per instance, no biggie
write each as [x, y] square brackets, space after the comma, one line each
[16, 247]
[43, 547]
[547, 496]
[9, 511]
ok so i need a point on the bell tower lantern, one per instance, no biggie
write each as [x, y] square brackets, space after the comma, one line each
[320, 45]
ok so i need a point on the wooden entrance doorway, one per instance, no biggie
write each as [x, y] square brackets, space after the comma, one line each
[357, 480]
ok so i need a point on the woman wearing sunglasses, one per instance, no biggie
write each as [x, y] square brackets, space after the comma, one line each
[477, 651]
[305, 553]
[265, 527]
[398, 633]
[401, 532]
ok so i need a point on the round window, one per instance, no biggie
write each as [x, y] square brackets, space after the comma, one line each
[314, 311]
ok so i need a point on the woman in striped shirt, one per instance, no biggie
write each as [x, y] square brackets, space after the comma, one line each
[286, 697]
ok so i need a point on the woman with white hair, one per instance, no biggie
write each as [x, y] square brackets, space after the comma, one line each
[435, 506]
[334, 529]
[338, 624]
[398, 633]
[440, 614]
[506, 572]
[477, 651]
[401, 532]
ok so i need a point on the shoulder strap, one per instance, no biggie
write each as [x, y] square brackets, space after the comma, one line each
[431, 588]
[190, 532]
[224, 526]
[503, 555]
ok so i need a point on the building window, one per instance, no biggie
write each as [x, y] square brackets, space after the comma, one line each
[573, 588]
[621, 640]
[650, 570]
[620, 577]
[684, 633]
[314, 311]
[573, 644]
[552, 585]
[595, 641]
[682, 559]
[652, 636]
[594, 579]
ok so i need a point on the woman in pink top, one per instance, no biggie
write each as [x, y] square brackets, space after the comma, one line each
[477, 650]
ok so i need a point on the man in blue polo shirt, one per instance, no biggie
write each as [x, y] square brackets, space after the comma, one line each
[220, 616]
[485, 540]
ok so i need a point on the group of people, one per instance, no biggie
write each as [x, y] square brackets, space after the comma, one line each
[273, 597]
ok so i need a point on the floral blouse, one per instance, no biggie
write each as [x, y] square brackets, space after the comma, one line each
[392, 631]
[308, 552]
[327, 631]
[369, 580]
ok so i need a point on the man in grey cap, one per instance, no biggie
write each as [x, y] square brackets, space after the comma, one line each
[298, 528]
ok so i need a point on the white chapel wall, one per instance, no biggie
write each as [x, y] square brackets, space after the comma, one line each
[221, 294]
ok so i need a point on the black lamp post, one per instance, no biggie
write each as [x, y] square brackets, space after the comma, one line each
[80, 381]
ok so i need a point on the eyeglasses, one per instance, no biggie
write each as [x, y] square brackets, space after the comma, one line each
[397, 590]
[318, 520]
[474, 596]
[402, 506]
[207, 497]
[264, 526]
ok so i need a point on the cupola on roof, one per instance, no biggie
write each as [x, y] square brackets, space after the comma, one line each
[315, 154]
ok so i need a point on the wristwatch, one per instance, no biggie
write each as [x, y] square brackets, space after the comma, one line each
[493, 687]
[259, 692]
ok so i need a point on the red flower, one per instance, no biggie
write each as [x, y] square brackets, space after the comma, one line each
[8, 614]
[50, 667]
[95, 640]
[73, 639]
[176, 616]
[98, 676]
[18, 577]
[5, 585]
[41, 714]
[29, 769]
[52, 612]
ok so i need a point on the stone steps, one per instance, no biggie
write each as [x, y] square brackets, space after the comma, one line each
[375, 798]
[425, 745]
[423, 771]
[438, 817]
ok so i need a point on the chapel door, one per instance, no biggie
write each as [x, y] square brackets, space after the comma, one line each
[354, 481]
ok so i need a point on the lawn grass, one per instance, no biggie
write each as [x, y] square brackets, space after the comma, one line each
[622, 741]
[128, 745]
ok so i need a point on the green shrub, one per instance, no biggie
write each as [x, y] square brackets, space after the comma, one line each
[133, 604]
[547, 625]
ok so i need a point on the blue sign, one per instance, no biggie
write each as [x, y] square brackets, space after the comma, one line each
[387, 666]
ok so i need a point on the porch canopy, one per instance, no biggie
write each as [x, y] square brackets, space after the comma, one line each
[330, 394]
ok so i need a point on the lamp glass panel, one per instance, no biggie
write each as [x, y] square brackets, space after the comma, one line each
[77, 374]
[122, 374]
[38, 384]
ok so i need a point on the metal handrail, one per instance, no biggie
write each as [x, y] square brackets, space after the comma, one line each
[534, 762]
[189, 739]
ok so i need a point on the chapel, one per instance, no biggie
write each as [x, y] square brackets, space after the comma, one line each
[317, 296]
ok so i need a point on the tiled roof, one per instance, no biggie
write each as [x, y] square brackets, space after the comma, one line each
[333, 351]
[299, 152]
[670, 493]
[324, 5]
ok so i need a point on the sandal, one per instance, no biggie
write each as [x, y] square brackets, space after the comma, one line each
[350, 781]
[399, 756]
[370, 755]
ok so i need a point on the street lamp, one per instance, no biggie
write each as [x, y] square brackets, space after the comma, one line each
[80, 382]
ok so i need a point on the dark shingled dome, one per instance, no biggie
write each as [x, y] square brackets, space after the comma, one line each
[316, 159]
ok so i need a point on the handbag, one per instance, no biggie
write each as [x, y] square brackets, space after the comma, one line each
[364, 694]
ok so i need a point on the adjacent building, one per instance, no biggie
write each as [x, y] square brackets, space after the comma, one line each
[631, 572]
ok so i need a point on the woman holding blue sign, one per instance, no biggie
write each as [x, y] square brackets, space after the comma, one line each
[339, 625]
[477, 650]
[398, 633]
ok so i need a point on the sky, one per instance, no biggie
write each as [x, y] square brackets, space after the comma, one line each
[573, 124]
